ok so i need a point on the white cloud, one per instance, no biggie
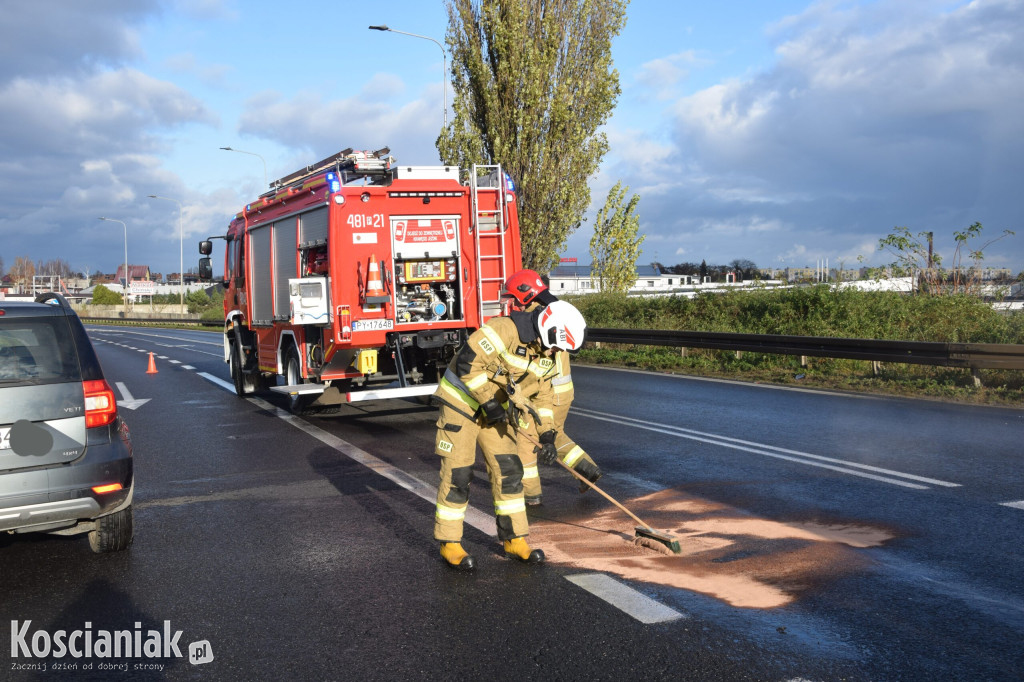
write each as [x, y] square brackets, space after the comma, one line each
[213, 75]
[307, 121]
[663, 75]
[68, 36]
[875, 114]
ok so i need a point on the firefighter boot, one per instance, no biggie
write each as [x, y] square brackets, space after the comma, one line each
[517, 548]
[456, 556]
[589, 471]
[531, 500]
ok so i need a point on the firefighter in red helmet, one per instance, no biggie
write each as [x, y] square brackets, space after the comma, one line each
[504, 369]
[526, 290]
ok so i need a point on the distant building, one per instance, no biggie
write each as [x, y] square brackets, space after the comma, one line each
[578, 279]
[135, 272]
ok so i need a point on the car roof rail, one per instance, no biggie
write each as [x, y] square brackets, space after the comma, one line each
[51, 296]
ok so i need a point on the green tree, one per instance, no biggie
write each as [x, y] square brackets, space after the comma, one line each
[615, 245]
[533, 82]
[744, 268]
[914, 257]
[968, 281]
[101, 295]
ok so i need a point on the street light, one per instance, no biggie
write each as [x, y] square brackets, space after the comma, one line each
[444, 63]
[181, 249]
[126, 278]
[266, 183]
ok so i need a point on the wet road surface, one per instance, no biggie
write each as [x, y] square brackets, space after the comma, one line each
[824, 537]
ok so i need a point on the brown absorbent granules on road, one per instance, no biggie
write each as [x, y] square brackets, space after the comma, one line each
[740, 559]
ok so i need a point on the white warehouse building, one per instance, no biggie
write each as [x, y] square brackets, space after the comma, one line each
[577, 279]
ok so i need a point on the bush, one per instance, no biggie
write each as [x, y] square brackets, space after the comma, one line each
[101, 295]
[814, 311]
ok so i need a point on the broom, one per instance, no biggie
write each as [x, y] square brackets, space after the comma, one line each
[645, 535]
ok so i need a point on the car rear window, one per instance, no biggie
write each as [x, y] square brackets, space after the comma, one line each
[37, 350]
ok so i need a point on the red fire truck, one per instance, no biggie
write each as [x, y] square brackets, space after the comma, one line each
[357, 278]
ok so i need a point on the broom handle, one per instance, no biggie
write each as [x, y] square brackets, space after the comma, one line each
[588, 482]
[603, 493]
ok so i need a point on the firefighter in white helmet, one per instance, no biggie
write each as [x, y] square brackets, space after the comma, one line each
[525, 290]
[483, 389]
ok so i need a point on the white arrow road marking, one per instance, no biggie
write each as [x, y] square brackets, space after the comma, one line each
[128, 401]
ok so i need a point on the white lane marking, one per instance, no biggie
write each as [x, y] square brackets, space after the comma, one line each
[760, 449]
[217, 380]
[162, 357]
[187, 367]
[624, 598]
[798, 453]
[474, 517]
[174, 362]
[1015, 505]
[744, 384]
[164, 336]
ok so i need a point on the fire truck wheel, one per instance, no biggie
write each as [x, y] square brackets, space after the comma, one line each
[245, 384]
[293, 377]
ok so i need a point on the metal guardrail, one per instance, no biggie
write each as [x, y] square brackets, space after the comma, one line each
[968, 355]
[142, 321]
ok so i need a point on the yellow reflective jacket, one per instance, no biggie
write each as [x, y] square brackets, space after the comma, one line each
[504, 348]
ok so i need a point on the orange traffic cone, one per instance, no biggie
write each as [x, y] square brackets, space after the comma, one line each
[152, 365]
[374, 288]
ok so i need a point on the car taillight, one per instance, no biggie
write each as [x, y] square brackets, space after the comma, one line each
[100, 403]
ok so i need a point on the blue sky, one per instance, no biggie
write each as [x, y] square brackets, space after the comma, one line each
[781, 132]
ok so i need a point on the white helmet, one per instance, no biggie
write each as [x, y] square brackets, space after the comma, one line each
[561, 325]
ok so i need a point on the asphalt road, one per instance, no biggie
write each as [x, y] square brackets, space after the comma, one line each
[824, 537]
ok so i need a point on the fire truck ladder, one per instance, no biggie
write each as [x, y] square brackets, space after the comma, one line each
[489, 224]
[348, 163]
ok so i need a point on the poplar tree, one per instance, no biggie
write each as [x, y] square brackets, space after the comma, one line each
[533, 82]
[615, 245]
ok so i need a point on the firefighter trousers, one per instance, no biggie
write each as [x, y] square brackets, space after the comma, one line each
[568, 451]
[456, 442]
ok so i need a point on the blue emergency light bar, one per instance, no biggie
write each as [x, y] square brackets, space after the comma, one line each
[333, 183]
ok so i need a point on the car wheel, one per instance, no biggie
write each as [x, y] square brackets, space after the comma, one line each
[245, 384]
[293, 377]
[114, 532]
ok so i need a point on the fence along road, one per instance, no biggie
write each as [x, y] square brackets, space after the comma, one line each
[965, 355]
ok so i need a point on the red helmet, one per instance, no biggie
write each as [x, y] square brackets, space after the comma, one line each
[524, 286]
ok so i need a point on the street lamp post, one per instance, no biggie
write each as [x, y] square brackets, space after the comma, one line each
[181, 249]
[266, 182]
[126, 278]
[444, 63]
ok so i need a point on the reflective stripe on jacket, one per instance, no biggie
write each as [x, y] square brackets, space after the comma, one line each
[483, 367]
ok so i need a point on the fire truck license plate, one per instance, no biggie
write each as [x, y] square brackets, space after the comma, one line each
[372, 325]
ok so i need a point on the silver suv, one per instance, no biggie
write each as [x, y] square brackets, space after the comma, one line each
[65, 453]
